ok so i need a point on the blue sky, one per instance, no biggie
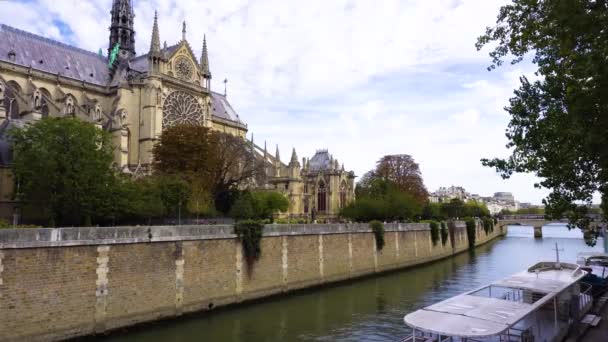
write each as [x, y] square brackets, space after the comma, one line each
[361, 78]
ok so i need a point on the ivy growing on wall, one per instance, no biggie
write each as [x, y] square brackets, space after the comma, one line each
[378, 229]
[434, 232]
[249, 232]
[471, 232]
[444, 233]
[488, 225]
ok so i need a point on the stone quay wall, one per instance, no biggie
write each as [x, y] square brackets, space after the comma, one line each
[67, 282]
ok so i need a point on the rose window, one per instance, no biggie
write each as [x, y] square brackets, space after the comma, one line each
[181, 108]
[184, 68]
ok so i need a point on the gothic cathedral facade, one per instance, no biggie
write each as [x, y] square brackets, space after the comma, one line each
[134, 99]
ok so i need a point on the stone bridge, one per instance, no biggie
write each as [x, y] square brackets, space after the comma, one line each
[536, 221]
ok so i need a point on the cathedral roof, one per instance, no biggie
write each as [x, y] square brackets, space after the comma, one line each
[222, 109]
[140, 63]
[320, 161]
[27, 49]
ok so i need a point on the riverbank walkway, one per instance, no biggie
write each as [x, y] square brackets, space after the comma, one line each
[598, 333]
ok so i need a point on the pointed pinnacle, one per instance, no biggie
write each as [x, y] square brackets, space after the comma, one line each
[205, 58]
[155, 43]
[294, 156]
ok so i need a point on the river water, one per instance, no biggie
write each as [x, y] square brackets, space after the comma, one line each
[370, 309]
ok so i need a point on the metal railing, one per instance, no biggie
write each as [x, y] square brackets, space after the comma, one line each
[586, 299]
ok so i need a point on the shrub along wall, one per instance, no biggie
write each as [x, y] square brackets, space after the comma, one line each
[90, 280]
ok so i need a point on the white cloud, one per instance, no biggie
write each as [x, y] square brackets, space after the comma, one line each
[362, 78]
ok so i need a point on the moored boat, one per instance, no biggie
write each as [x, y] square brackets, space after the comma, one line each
[538, 304]
[596, 266]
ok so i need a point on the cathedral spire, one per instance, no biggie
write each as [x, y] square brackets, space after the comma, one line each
[265, 152]
[155, 43]
[184, 31]
[121, 28]
[276, 155]
[294, 159]
[205, 59]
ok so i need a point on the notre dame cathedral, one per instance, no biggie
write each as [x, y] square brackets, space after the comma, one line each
[133, 99]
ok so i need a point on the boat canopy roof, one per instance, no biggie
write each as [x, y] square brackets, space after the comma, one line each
[472, 315]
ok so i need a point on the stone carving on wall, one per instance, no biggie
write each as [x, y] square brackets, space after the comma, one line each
[2, 87]
[97, 113]
[120, 118]
[37, 99]
[182, 108]
[69, 106]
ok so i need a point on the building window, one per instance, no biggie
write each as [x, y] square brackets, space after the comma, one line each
[342, 195]
[11, 104]
[322, 197]
[181, 108]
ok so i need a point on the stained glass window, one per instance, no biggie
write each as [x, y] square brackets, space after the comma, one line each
[181, 108]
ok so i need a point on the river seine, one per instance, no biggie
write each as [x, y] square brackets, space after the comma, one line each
[370, 309]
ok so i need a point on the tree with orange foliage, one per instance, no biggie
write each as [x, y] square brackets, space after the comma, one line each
[404, 173]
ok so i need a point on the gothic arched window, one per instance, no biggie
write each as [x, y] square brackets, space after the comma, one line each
[181, 108]
[322, 197]
[11, 103]
[44, 104]
[343, 194]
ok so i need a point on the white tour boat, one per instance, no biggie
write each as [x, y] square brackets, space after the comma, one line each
[539, 304]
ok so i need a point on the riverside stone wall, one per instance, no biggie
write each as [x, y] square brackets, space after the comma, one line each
[67, 282]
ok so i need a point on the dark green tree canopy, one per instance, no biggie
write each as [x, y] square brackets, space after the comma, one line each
[559, 123]
[64, 166]
[211, 161]
[259, 205]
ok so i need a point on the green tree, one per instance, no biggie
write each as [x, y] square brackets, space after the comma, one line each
[174, 194]
[455, 208]
[432, 211]
[382, 200]
[476, 209]
[139, 199]
[64, 167]
[259, 205]
[274, 202]
[399, 170]
[213, 163]
[558, 123]
[242, 208]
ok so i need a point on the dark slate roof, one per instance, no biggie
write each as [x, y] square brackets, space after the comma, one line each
[56, 57]
[140, 63]
[320, 161]
[222, 109]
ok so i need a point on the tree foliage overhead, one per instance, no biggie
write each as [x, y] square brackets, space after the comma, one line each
[211, 161]
[259, 205]
[558, 123]
[64, 167]
[453, 209]
[393, 191]
[381, 200]
[404, 173]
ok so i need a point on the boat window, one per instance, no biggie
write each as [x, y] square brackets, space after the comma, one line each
[509, 294]
[597, 261]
